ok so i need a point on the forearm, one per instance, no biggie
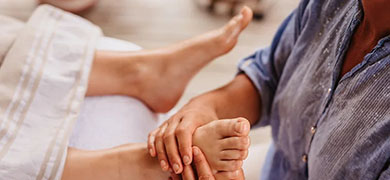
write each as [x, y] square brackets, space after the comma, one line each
[239, 98]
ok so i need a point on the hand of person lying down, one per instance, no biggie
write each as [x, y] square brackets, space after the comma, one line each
[224, 142]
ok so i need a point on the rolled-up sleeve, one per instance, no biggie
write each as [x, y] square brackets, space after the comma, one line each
[265, 66]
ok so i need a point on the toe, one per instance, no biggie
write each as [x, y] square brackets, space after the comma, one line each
[240, 21]
[247, 15]
[233, 155]
[228, 165]
[231, 175]
[232, 127]
[234, 143]
[227, 174]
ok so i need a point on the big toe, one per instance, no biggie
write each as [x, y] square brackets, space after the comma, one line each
[232, 127]
[240, 21]
[247, 15]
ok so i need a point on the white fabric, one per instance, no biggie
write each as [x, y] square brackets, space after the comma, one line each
[43, 78]
[108, 121]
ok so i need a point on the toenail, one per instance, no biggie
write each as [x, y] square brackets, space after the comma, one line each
[245, 127]
[186, 160]
[240, 127]
[176, 168]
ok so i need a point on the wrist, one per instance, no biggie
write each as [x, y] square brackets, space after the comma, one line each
[205, 106]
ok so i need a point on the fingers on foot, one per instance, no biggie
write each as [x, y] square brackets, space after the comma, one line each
[201, 164]
[160, 149]
[151, 141]
[171, 148]
[184, 134]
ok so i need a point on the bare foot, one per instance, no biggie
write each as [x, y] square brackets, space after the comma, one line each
[225, 144]
[164, 73]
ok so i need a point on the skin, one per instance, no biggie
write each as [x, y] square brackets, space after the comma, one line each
[240, 97]
[372, 28]
[225, 144]
[228, 139]
[145, 75]
[172, 141]
[203, 169]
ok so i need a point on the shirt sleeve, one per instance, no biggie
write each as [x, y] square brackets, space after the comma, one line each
[265, 66]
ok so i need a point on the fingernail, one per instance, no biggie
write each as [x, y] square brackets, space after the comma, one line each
[196, 151]
[186, 160]
[163, 164]
[176, 168]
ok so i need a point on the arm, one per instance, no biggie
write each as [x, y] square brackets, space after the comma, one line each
[239, 98]
[242, 97]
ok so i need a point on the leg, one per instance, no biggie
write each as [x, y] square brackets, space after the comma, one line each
[225, 144]
[123, 162]
[158, 77]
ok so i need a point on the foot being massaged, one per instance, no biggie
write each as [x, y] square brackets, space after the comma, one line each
[99, 137]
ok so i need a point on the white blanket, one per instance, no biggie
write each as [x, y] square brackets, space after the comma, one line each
[43, 80]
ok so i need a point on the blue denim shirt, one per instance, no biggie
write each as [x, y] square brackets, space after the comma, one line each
[324, 126]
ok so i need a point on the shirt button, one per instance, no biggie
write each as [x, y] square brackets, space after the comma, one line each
[304, 158]
[329, 90]
[313, 130]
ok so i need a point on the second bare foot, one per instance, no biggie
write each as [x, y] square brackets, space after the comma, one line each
[163, 74]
